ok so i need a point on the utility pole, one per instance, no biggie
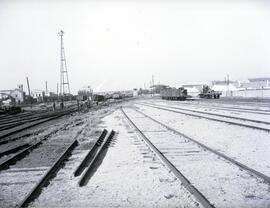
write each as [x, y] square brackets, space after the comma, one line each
[57, 89]
[64, 83]
[228, 82]
[28, 86]
[29, 91]
[153, 84]
[151, 91]
[46, 84]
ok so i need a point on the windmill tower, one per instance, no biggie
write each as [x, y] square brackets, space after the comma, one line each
[64, 83]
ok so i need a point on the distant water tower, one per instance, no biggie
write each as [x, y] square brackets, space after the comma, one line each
[64, 83]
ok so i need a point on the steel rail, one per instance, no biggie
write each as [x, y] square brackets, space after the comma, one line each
[17, 123]
[14, 149]
[214, 114]
[240, 165]
[85, 162]
[5, 164]
[24, 116]
[20, 155]
[22, 127]
[7, 140]
[186, 183]
[213, 119]
[240, 110]
[85, 177]
[48, 175]
[245, 110]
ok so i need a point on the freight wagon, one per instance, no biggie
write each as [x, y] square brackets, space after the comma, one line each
[99, 98]
[174, 93]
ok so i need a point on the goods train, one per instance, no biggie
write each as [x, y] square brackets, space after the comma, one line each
[174, 93]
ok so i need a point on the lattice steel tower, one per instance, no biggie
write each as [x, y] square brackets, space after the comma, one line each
[64, 84]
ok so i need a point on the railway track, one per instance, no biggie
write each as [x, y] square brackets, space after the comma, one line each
[20, 136]
[28, 116]
[254, 124]
[12, 151]
[254, 103]
[216, 114]
[230, 109]
[225, 157]
[26, 124]
[39, 176]
[86, 164]
[48, 175]
[7, 124]
[22, 114]
[26, 149]
[215, 179]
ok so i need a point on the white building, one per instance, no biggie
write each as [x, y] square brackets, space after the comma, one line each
[227, 88]
[193, 89]
[17, 94]
[38, 94]
[256, 83]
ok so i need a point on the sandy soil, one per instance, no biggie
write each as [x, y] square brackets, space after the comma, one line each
[223, 183]
[129, 176]
[248, 146]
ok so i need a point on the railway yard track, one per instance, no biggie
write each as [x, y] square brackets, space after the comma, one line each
[255, 110]
[15, 123]
[233, 120]
[66, 163]
[149, 153]
[20, 154]
[202, 169]
[20, 163]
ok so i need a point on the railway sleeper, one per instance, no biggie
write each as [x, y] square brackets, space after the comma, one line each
[98, 157]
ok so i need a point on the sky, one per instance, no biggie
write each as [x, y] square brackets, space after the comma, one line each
[119, 45]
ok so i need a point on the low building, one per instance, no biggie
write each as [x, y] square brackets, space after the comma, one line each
[17, 94]
[256, 83]
[193, 89]
[38, 95]
[227, 88]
